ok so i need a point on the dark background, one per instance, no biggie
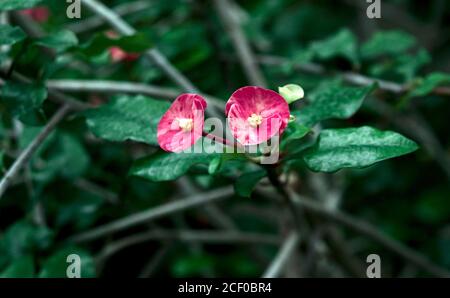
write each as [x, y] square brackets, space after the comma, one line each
[77, 181]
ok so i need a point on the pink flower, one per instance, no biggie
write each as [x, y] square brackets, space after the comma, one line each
[256, 114]
[39, 14]
[118, 55]
[182, 124]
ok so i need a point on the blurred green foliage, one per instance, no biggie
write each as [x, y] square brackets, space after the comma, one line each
[113, 145]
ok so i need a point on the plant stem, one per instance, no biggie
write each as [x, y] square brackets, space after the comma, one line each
[368, 230]
[154, 213]
[153, 54]
[221, 140]
[286, 251]
[229, 17]
[275, 181]
[105, 86]
[207, 236]
[26, 154]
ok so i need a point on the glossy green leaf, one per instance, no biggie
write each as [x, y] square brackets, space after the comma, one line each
[387, 43]
[127, 118]
[332, 101]
[355, 148]
[169, 166]
[60, 40]
[20, 268]
[247, 182]
[295, 131]
[342, 44]
[430, 82]
[56, 265]
[10, 35]
[18, 4]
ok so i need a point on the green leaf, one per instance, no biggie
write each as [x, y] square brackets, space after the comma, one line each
[136, 43]
[430, 82]
[404, 66]
[2, 166]
[169, 166]
[78, 211]
[342, 44]
[355, 148]
[192, 45]
[60, 40]
[247, 182]
[409, 65]
[18, 4]
[20, 268]
[433, 207]
[20, 99]
[64, 157]
[23, 238]
[192, 265]
[332, 101]
[10, 35]
[127, 118]
[72, 158]
[294, 131]
[28, 135]
[56, 265]
[387, 43]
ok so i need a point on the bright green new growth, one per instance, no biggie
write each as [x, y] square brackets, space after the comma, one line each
[291, 92]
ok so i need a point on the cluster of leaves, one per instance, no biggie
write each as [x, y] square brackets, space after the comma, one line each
[323, 138]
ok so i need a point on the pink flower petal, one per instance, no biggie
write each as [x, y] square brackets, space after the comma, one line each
[250, 100]
[118, 55]
[39, 14]
[170, 136]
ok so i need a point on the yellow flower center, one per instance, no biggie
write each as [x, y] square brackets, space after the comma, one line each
[254, 120]
[186, 124]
